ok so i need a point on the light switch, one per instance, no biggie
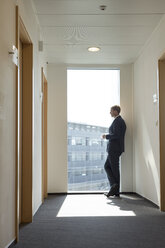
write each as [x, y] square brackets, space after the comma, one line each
[155, 98]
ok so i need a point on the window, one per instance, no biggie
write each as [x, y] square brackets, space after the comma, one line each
[91, 93]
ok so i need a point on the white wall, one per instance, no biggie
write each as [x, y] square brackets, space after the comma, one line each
[126, 102]
[7, 124]
[7, 114]
[57, 129]
[146, 115]
[57, 126]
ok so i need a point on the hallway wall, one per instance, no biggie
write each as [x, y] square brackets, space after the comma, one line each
[146, 116]
[57, 129]
[7, 124]
[7, 114]
[57, 126]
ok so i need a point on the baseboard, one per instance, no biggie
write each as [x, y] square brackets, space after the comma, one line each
[157, 206]
[77, 193]
[11, 244]
[62, 193]
[128, 193]
[87, 193]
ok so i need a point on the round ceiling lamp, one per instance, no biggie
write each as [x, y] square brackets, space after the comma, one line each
[93, 49]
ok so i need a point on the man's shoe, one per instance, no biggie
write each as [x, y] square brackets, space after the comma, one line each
[117, 195]
[106, 194]
[109, 194]
[113, 191]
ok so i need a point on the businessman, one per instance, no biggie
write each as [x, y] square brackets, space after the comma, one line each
[115, 147]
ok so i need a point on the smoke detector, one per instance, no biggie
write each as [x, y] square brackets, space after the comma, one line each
[103, 7]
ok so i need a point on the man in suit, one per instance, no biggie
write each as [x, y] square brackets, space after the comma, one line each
[115, 147]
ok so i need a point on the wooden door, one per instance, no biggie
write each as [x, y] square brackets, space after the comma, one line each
[24, 126]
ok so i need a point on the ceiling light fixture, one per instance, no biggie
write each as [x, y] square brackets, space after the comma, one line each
[103, 7]
[94, 49]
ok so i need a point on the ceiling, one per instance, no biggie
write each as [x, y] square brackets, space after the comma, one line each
[69, 27]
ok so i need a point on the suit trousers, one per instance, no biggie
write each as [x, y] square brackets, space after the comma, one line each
[111, 167]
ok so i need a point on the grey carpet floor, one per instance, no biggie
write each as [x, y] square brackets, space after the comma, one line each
[93, 221]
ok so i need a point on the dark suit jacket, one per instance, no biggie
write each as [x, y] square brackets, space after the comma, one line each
[116, 135]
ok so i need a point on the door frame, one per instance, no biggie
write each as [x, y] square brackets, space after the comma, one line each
[161, 68]
[27, 123]
[44, 135]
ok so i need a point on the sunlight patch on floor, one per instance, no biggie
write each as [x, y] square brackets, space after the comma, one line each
[92, 205]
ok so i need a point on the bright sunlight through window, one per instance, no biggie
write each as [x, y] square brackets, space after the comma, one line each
[92, 205]
[90, 94]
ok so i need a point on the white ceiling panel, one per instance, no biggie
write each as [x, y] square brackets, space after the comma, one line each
[91, 61]
[74, 51]
[92, 6]
[69, 27]
[98, 21]
[109, 53]
[95, 35]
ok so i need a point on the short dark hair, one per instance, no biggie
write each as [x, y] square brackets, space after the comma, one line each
[116, 108]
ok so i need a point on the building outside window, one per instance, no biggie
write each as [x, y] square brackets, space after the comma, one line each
[86, 153]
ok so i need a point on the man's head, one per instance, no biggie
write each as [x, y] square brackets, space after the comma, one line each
[115, 110]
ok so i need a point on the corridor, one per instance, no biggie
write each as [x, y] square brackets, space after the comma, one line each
[94, 221]
[40, 41]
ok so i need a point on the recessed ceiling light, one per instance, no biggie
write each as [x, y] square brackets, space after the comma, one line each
[93, 49]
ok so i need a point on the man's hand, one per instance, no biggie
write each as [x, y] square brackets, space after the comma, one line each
[104, 136]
